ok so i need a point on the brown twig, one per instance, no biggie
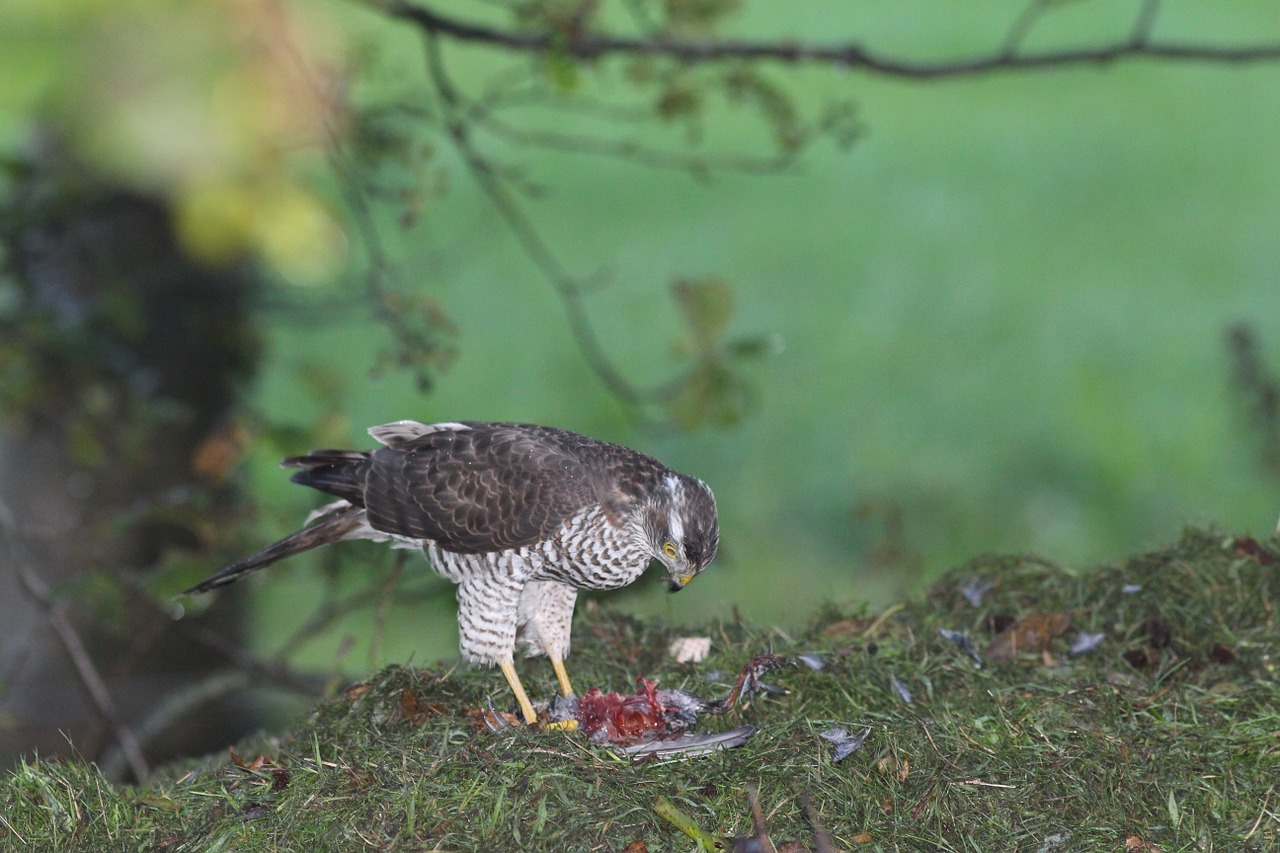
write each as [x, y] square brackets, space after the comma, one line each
[760, 828]
[1146, 20]
[589, 46]
[334, 608]
[56, 615]
[696, 165]
[1259, 388]
[822, 840]
[384, 607]
[425, 347]
[569, 288]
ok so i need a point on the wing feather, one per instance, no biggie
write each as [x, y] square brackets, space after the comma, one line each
[481, 487]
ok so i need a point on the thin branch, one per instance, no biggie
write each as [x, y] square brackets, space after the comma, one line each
[335, 607]
[699, 166]
[518, 87]
[384, 607]
[173, 707]
[380, 272]
[1145, 22]
[273, 672]
[1022, 26]
[569, 288]
[56, 615]
[588, 46]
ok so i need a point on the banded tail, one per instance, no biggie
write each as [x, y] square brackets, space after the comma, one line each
[339, 524]
[338, 472]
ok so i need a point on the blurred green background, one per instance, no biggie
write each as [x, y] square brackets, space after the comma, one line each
[997, 323]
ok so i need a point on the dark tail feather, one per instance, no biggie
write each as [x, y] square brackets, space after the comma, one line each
[338, 472]
[334, 527]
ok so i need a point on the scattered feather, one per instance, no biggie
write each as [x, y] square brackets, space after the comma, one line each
[1131, 588]
[813, 660]
[689, 744]
[974, 591]
[963, 643]
[690, 649]
[1085, 643]
[904, 692]
[846, 744]
[1053, 843]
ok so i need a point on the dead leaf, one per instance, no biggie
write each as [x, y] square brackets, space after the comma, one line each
[893, 767]
[492, 720]
[1247, 546]
[1222, 653]
[1138, 844]
[218, 454]
[259, 761]
[636, 847]
[1029, 634]
[846, 627]
[414, 710]
[921, 806]
[359, 778]
[355, 691]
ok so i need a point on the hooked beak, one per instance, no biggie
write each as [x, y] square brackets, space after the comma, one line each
[675, 583]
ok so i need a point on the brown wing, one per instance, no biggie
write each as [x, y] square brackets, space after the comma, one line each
[479, 487]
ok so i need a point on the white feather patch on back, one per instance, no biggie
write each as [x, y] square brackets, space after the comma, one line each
[321, 512]
[398, 432]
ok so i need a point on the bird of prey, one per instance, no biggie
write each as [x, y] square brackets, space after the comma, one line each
[518, 516]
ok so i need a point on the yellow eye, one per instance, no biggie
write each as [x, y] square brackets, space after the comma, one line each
[670, 550]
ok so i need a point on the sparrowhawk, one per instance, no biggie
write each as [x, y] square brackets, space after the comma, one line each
[519, 517]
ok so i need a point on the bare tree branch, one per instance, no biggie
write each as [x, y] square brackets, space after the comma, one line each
[588, 46]
[698, 166]
[174, 707]
[1146, 20]
[418, 348]
[569, 288]
[1022, 26]
[335, 607]
[56, 615]
[518, 87]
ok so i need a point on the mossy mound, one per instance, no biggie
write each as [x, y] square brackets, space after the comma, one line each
[1165, 734]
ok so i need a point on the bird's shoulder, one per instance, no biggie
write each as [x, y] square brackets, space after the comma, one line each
[480, 486]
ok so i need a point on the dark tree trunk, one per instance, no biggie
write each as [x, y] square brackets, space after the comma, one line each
[120, 363]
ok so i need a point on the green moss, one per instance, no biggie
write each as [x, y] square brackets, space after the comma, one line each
[1167, 731]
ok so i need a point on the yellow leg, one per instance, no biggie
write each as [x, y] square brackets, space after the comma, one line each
[558, 665]
[526, 707]
[567, 689]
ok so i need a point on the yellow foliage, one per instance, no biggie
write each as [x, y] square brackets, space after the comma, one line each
[208, 102]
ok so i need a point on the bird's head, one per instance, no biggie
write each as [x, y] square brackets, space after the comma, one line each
[682, 529]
